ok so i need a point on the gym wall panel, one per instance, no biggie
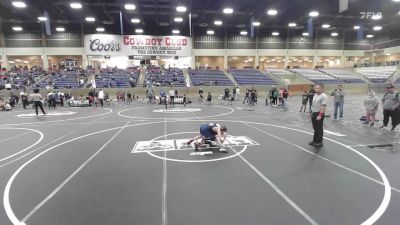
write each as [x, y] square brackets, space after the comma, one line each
[272, 52]
[353, 53]
[208, 52]
[64, 40]
[301, 43]
[330, 43]
[329, 52]
[241, 52]
[268, 42]
[24, 51]
[23, 40]
[301, 52]
[208, 42]
[64, 51]
[241, 42]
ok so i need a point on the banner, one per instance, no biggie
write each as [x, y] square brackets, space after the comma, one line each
[126, 45]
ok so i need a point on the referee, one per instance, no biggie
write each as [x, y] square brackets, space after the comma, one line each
[317, 115]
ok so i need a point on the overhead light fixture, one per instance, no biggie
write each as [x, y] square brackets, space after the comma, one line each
[42, 18]
[370, 36]
[178, 19]
[325, 26]
[210, 32]
[17, 28]
[60, 29]
[334, 34]
[256, 23]
[396, 0]
[399, 12]
[26, 62]
[181, 8]
[75, 5]
[377, 28]
[243, 32]
[218, 22]
[272, 12]
[175, 31]
[275, 33]
[313, 14]
[100, 29]
[11, 62]
[388, 54]
[18, 60]
[305, 34]
[377, 16]
[19, 4]
[135, 20]
[227, 11]
[130, 6]
[139, 31]
[292, 24]
[356, 27]
[90, 19]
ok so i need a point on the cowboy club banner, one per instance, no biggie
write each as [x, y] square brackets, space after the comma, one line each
[101, 44]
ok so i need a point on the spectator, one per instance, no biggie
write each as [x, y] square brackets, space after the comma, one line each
[390, 105]
[338, 100]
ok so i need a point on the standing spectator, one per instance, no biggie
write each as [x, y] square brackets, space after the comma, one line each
[311, 94]
[237, 93]
[285, 95]
[129, 96]
[209, 98]
[338, 100]
[371, 104]
[201, 97]
[304, 100]
[24, 99]
[317, 115]
[172, 97]
[37, 101]
[234, 92]
[390, 105]
[275, 95]
[101, 97]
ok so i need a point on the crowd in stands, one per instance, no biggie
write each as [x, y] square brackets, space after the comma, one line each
[116, 78]
[209, 78]
[20, 77]
[155, 76]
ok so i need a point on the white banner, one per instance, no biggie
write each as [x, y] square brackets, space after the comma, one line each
[101, 44]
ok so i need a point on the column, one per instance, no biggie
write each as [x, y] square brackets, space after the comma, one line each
[314, 64]
[286, 60]
[4, 63]
[342, 61]
[225, 61]
[45, 60]
[257, 60]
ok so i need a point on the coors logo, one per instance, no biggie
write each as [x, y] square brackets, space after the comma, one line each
[97, 46]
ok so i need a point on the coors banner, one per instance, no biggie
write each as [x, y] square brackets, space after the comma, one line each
[100, 44]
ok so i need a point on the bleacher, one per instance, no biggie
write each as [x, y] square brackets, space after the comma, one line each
[316, 76]
[278, 72]
[379, 74]
[343, 75]
[209, 78]
[21, 78]
[158, 77]
[251, 77]
[117, 78]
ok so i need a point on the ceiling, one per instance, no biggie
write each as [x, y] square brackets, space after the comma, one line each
[157, 16]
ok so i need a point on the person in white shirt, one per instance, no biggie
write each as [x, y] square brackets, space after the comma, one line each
[172, 96]
[318, 114]
[101, 97]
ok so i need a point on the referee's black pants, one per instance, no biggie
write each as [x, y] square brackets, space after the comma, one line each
[318, 126]
[38, 104]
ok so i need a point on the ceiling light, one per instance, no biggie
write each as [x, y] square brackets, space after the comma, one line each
[356, 27]
[399, 12]
[256, 23]
[292, 24]
[313, 14]
[334, 34]
[18, 60]
[370, 36]
[42, 18]
[17, 28]
[218, 22]
[210, 32]
[305, 34]
[243, 32]
[135, 20]
[326, 26]
[377, 16]
[178, 19]
[396, 0]
[275, 33]
[60, 29]
[90, 19]
[11, 62]
[272, 12]
[376, 28]
[100, 29]
[130, 6]
[181, 9]
[26, 62]
[19, 4]
[139, 31]
[175, 31]
[388, 54]
[75, 5]
[228, 11]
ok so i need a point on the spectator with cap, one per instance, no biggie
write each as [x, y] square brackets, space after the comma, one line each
[338, 99]
[390, 105]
